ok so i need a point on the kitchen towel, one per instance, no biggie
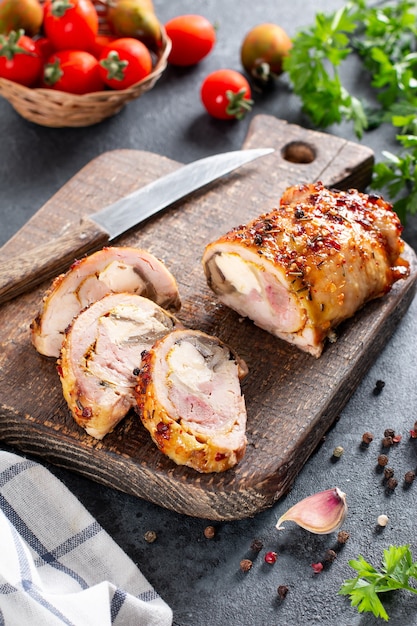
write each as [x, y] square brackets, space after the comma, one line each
[58, 565]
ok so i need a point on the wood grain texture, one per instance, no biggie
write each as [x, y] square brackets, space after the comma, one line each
[292, 398]
[50, 259]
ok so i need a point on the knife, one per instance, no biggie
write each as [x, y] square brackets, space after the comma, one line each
[20, 274]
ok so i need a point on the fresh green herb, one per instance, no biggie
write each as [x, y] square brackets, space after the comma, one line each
[383, 37]
[396, 570]
[313, 67]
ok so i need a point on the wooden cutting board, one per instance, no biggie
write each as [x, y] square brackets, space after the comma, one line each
[292, 398]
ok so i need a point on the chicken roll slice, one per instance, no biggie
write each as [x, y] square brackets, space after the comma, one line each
[306, 266]
[101, 354]
[110, 270]
[189, 399]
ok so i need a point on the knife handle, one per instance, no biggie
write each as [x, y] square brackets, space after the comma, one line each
[23, 272]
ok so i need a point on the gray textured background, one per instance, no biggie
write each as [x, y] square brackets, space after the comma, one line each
[200, 578]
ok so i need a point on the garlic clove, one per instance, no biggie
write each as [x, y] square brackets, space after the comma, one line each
[320, 513]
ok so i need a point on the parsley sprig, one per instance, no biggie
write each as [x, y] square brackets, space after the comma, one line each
[396, 570]
[383, 37]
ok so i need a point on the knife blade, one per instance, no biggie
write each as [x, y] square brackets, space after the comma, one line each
[21, 273]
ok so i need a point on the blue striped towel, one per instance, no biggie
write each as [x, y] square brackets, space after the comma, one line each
[57, 564]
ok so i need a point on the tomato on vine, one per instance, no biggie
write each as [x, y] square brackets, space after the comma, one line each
[192, 37]
[20, 60]
[226, 95]
[125, 62]
[73, 71]
[71, 24]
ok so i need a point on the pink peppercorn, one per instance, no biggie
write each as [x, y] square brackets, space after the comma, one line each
[271, 557]
[317, 567]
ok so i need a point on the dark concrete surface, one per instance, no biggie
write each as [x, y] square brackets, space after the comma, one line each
[200, 578]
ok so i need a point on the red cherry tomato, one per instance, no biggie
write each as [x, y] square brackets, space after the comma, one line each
[44, 47]
[70, 24]
[73, 71]
[125, 62]
[20, 60]
[101, 41]
[192, 37]
[226, 94]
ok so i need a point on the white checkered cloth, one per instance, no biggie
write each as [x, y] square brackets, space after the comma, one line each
[57, 564]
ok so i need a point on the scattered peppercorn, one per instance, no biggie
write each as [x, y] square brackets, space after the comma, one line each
[338, 451]
[367, 437]
[379, 385]
[342, 536]
[409, 477]
[209, 532]
[389, 432]
[382, 460]
[256, 545]
[382, 520]
[392, 483]
[245, 565]
[387, 442]
[317, 567]
[330, 556]
[150, 536]
[282, 591]
[388, 472]
[397, 438]
[271, 557]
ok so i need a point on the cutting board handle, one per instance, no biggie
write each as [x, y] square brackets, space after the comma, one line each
[20, 274]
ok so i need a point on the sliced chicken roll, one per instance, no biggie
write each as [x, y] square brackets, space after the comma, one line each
[306, 266]
[189, 399]
[101, 355]
[110, 270]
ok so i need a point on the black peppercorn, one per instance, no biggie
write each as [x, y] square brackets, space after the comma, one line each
[342, 536]
[282, 591]
[392, 483]
[367, 437]
[330, 556]
[382, 460]
[409, 477]
[379, 385]
[256, 545]
[245, 565]
[388, 472]
[209, 532]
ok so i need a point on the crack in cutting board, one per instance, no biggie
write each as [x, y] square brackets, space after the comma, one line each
[292, 398]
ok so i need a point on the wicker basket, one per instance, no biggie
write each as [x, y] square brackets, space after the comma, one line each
[58, 109]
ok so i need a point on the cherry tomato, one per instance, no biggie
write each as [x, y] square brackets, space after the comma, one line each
[226, 94]
[20, 60]
[125, 62]
[73, 71]
[17, 14]
[101, 41]
[71, 24]
[192, 37]
[263, 50]
[44, 47]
